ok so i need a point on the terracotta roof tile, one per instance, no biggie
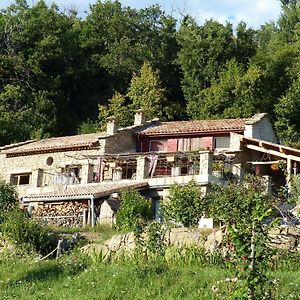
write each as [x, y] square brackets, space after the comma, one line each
[84, 191]
[57, 143]
[185, 127]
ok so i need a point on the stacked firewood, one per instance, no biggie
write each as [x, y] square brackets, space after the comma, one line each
[65, 214]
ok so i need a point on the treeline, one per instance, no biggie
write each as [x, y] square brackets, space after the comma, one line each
[61, 74]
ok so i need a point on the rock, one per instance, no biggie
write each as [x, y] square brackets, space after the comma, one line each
[214, 240]
[94, 249]
[121, 243]
[185, 236]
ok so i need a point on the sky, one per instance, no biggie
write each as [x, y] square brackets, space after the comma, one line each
[253, 12]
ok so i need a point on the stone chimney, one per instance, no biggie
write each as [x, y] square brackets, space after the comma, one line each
[112, 126]
[139, 118]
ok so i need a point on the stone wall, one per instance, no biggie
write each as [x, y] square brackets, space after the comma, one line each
[260, 127]
[42, 174]
[122, 142]
[286, 237]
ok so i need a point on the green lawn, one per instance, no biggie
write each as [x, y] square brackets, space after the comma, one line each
[78, 277]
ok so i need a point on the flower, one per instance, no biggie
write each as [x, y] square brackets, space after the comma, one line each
[214, 289]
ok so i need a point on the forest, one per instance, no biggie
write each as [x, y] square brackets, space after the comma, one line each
[61, 74]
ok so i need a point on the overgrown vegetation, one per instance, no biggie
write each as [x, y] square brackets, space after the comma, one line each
[244, 268]
[243, 207]
[77, 276]
[8, 199]
[185, 205]
[53, 78]
[134, 211]
[16, 225]
[27, 233]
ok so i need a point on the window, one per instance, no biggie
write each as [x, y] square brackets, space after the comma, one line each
[70, 174]
[158, 146]
[222, 142]
[49, 161]
[20, 179]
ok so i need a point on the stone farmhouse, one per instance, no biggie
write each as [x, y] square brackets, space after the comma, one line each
[150, 156]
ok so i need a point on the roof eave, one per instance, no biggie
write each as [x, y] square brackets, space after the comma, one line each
[198, 133]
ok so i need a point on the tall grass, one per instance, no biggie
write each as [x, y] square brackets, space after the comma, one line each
[77, 276]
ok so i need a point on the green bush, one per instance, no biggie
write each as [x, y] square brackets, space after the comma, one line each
[185, 205]
[8, 199]
[134, 211]
[26, 232]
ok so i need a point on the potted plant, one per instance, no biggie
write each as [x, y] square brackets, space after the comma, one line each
[176, 169]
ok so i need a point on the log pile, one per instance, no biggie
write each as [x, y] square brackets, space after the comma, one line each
[64, 214]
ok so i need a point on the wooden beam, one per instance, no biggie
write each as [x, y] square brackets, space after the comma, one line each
[264, 162]
[272, 152]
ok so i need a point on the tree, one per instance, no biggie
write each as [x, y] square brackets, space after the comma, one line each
[204, 52]
[118, 107]
[243, 208]
[235, 94]
[39, 51]
[245, 44]
[117, 41]
[185, 204]
[145, 92]
[287, 112]
[288, 2]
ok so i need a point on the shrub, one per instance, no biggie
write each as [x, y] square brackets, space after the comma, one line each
[26, 232]
[134, 211]
[185, 205]
[8, 199]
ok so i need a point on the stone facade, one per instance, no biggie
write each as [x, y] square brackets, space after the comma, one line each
[42, 174]
[40, 166]
[260, 127]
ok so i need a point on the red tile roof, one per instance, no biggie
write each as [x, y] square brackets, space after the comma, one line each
[200, 126]
[97, 190]
[57, 143]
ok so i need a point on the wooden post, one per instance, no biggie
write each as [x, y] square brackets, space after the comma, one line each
[252, 259]
[92, 211]
[59, 247]
[289, 172]
[89, 212]
[84, 221]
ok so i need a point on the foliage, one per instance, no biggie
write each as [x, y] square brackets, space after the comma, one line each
[74, 263]
[145, 92]
[185, 204]
[235, 94]
[294, 196]
[8, 199]
[76, 276]
[156, 245]
[243, 207]
[57, 69]
[117, 107]
[26, 232]
[88, 126]
[134, 211]
[287, 110]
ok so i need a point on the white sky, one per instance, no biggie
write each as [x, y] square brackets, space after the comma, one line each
[253, 12]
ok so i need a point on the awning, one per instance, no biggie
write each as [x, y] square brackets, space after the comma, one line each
[84, 192]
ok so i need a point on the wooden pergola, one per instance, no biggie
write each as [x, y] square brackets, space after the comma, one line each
[276, 151]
